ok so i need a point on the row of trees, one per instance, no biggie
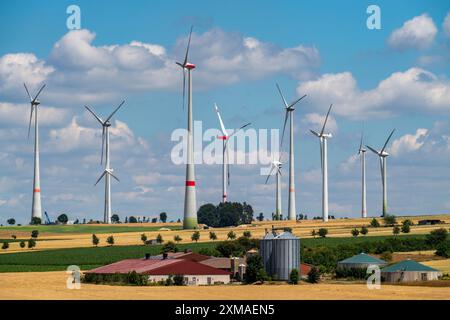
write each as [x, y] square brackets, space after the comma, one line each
[225, 214]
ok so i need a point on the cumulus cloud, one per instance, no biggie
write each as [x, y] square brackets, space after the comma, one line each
[314, 121]
[417, 33]
[446, 25]
[415, 89]
[19, 114]
[408, 142]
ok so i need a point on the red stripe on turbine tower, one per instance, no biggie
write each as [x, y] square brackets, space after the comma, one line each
[291, 190]
[36, 190]
[190, 183]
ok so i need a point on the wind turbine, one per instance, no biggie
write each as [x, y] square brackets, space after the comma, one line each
[382, 154]
[276, 165]
[36, 207]
[324, 164]
[225, 154]
[292, 215]
[190, 206]
[108, 171]
[362, 154]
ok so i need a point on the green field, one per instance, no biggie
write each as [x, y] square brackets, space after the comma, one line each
[88, 258]
[82, 228]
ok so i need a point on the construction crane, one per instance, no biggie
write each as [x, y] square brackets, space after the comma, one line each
[47, 219]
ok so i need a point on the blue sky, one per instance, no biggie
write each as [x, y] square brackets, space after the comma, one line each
[340, 61]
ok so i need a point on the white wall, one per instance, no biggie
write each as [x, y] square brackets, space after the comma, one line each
[195, 279]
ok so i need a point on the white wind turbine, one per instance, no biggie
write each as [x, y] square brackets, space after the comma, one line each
[36, 208]
[225, 137]
[190, 203]
[292, 215]
[362, 154]
[382, 154]
[108, 171]
[324, 164]
[276, 165]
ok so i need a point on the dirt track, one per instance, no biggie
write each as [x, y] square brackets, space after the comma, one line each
[52, 285]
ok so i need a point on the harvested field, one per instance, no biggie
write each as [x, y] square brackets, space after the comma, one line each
[442, 265]
[52, 285]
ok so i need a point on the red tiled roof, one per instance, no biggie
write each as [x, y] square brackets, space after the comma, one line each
[159, 267]
[192, 256]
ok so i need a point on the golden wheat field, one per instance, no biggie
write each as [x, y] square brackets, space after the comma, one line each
[52, 285]
[336, 228]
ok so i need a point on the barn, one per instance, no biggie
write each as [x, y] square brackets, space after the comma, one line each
[409, 271]
[360, 261]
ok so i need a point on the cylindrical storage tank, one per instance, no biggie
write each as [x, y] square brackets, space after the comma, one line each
[266, 251]
[242, 268]
[285, 256]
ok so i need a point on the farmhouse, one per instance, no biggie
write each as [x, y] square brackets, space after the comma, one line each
[360, 261]
[194, 273]
[186, 255]
[409, 271]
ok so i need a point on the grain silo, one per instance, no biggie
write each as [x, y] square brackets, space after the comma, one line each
[281, 254]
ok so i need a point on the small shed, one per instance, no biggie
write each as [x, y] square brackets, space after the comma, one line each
[360, 261]
[409, 271]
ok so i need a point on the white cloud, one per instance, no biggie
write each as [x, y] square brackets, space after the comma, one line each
[19, 114]
[446, 25]
[314, 121]
[413, 90]
[408, 142]
[417, 33]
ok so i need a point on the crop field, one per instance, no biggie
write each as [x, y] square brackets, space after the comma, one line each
[52, 285]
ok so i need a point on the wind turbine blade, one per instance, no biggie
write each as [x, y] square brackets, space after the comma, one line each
[104, 172]
[270, 173]
[326, 119]
[28, 93]
[360, 143]
[187, 49]
[112, 175]
[103, 144]
[29, 124]
[93, 113]
[282, 96]
[385, 144]
[373, 150]
[284, 127]
[222, 126]
[111, 115]
[242, 127]
[39, 92]
[296, 101]
[314, 133]
[184, 86]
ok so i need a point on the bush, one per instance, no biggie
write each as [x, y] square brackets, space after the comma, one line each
[323, 232]
[95, 240]
[62, 218]
[443, 249]
[170, 246]
[396, 230]
[386, 256]
[247, 234]
[115, 218]
[14, 236]
[195, 236]
[22, 244]
[209, 252]
[405, 228]
[364, 230]
[212, 235]
[437, 236]
[35, 221]
[230, 249]
[137, 279]
[314, 275]
[31, 243]
[159, 238]
[132, 219]
[407, 222]
[389, 220]
[177, 238]
[355, 232]
[5, 245]
[35, 233]
[11, 221]
[110, 240]
[143, 238]
[353, 273]
[178, 280]
[374, 223]
[314, 233]
[231, 235]
[294, 276]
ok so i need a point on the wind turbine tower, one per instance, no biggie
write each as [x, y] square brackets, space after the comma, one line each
[108, 171]
[36, 207]
[362, 154]
[276, 165]
[190, 202]
[382, 154]
[289, 109]
[324, 164]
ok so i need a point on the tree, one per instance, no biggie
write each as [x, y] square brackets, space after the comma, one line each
[255, 269]
[14, 236]
[408, 222]
[178, 280]
[314, 233]
[314, 275]
[163, 217]
[195, 236]
[95, 240]
[389, 220]
[35, 221]
[126, 219]
[405, 228]
[207, 214]
[374, 223]
[231, 235]
[159, 238]
[261, 216]
[143, 238]
[323, 232]
[294, 276]
[115, 218]
[355, 232]
[225, 214]
[386, 256]
[396, 230]
[62, 218]
[170, 246]
[31, 243]
[247, 234]
[22, 244]
[364, 230]
[11, 221]
[177, 238]
[436, 237]
[443, 249]
[5, 245]
[35, 233]
[110, 240]
[212, 235]
[132, 219]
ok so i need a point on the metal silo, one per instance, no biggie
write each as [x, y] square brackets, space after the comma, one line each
[266, 245]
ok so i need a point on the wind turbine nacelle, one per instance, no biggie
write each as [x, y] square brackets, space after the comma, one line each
[384, 154]
[327, 135]
[222, 137]
[189, 66]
